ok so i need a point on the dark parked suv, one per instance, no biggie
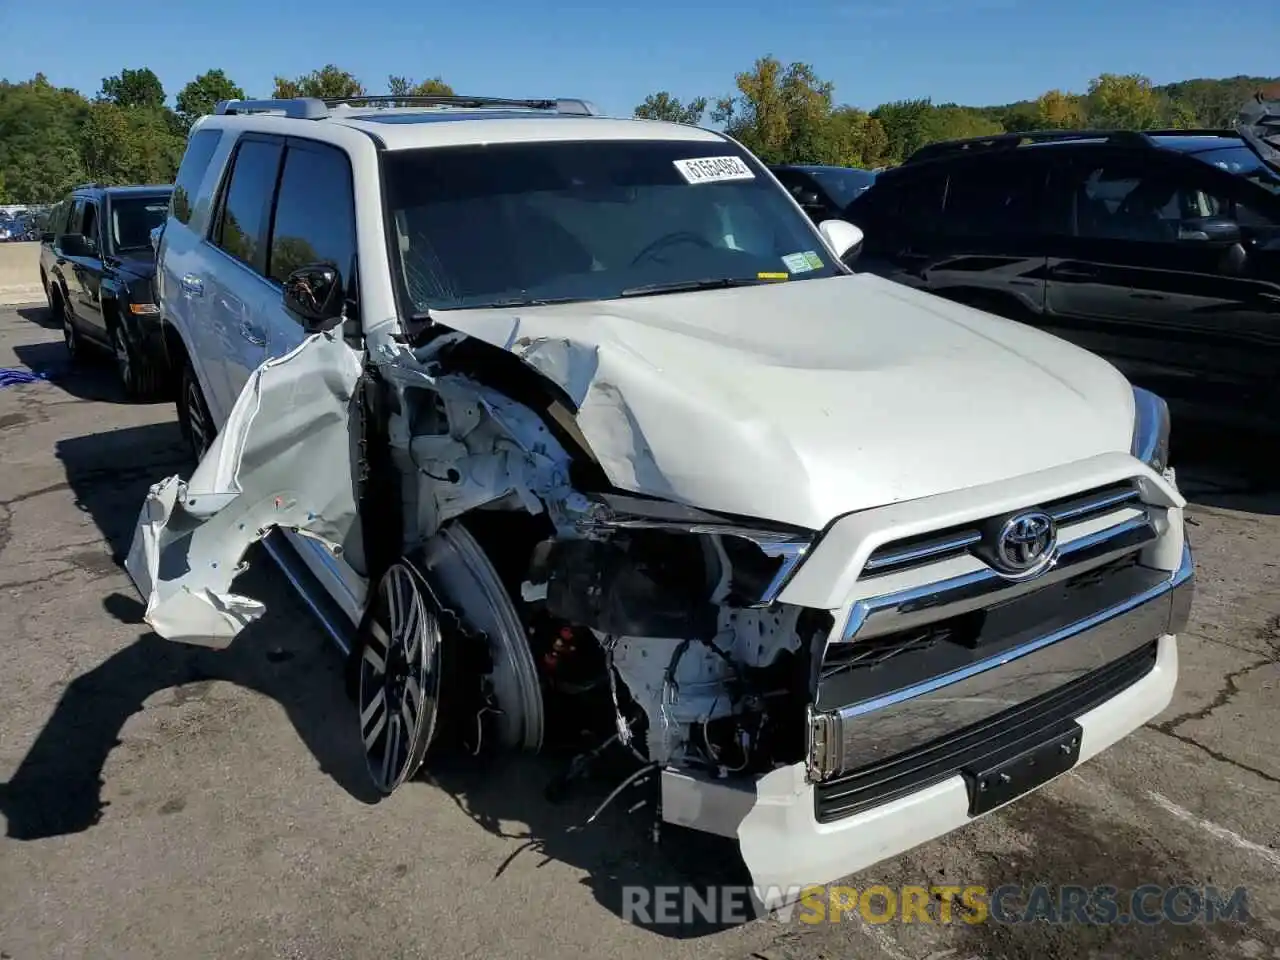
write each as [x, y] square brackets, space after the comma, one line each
[1160, 251]
[97, 266]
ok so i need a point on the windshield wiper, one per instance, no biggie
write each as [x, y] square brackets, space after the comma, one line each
[679, 286]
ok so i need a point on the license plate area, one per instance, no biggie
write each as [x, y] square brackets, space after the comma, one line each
[1022, 767]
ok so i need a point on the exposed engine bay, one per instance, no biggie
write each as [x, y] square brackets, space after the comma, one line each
[562, 606]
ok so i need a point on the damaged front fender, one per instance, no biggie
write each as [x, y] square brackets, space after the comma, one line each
[282, 459]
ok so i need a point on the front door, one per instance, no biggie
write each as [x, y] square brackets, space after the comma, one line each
[86, 271]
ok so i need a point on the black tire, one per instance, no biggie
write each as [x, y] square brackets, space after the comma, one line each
[193, 413]
[138, 374]
[71, 337]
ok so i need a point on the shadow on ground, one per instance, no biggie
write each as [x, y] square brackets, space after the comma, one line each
[1221, 467]
[40, 316]
[57, 787]
[90, 378]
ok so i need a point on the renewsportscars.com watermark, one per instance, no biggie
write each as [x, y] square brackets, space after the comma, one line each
[1150, 904]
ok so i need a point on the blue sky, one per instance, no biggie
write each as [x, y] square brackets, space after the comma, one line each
[967, 51]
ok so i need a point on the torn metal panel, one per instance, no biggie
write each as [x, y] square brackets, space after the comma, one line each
[282, 459]
[790, 402]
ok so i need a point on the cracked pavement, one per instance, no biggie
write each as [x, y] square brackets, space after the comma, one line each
[162, 801]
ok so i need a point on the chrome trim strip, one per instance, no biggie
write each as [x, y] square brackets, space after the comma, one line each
[986, 586]
[919, 553]
[276, 552]
[852, 737]
[1100, 504]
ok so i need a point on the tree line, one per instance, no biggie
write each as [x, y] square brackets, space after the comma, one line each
[785, 113]
[52, 138]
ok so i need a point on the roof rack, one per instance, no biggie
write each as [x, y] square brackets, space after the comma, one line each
[87, 186]
[1011, 141]
[317, 108]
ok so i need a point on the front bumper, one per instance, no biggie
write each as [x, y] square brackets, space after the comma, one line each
[788, 842]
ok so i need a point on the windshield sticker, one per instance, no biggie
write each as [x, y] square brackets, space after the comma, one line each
[802, 262]
[773, 276]
[713, 169]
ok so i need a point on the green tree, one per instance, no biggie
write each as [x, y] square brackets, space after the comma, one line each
[951, 122]
[133, 88]
[404, 87]
[40, 134]
[122, 145]
[1123, 102]
[906, 127]
[202, 94]
[328, 81]
[663, 106]
[757, 114]
[1055, 110]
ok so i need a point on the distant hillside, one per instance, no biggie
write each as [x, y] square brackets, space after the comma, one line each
[1202, 102]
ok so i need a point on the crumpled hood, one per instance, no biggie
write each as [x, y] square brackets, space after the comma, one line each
[798, 402]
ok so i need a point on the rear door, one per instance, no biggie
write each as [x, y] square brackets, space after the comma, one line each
[1180, 311]
[240, 299]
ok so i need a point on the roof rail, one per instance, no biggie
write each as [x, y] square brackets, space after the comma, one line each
[88, 186]
[316, 108]
[1011, 141]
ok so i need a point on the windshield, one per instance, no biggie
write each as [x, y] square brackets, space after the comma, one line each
[132, 219]
[1244, 162]
[535, 222]
[842, 184]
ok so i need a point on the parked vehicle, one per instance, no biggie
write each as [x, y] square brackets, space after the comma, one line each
[1160, 251]
[97, 267]
[561, 422]
[824, 191]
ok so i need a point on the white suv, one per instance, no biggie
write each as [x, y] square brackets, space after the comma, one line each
[556, 420]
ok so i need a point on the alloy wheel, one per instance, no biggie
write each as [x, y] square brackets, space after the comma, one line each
[399, 686]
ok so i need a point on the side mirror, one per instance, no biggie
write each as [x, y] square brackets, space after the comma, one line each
[1214, 230]
[843, 237]
[314, 295]
[74, 245]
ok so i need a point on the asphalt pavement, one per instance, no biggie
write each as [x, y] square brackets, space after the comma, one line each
[167, 801]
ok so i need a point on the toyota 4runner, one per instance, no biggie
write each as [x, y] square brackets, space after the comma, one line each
[561, 422]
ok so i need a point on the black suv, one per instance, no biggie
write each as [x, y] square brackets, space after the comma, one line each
[97, 265]
[1159, 251]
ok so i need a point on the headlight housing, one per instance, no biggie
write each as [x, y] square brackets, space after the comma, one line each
[1150, 429]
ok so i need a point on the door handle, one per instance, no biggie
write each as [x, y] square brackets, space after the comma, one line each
[252, 334]
[192, 285]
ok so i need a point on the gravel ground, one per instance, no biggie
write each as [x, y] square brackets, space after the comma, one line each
[166, 801]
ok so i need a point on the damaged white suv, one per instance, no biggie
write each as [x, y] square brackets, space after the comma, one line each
[559, 421]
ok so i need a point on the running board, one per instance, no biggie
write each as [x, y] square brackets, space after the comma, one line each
[332, 619]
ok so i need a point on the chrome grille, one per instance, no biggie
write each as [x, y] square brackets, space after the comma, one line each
[913, 552]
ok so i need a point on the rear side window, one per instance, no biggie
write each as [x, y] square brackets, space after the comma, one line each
[315, 213]
[191, 171]
[241, 227]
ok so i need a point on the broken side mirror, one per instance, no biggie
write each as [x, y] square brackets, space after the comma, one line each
[314, 295]
[843, 237]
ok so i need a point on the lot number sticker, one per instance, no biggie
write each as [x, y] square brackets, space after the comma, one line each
[713, 169]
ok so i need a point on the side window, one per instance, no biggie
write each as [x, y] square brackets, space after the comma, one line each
[89, 225]
[191, 171]
[1125, 200]
[994, 199]
[315, 219]
[241, 227]
[75, 219]
[918, 204]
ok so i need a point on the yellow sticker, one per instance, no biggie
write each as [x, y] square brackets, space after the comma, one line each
[772, 276]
